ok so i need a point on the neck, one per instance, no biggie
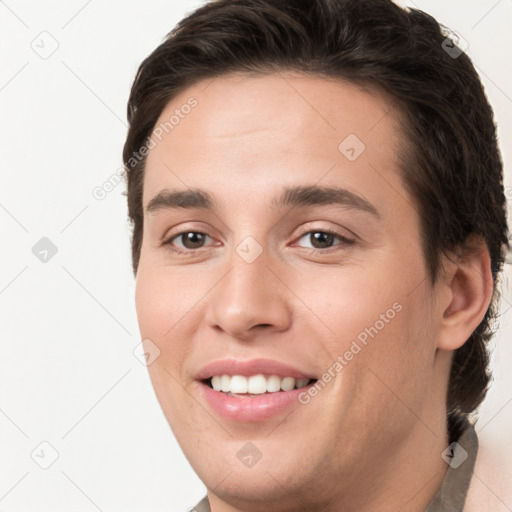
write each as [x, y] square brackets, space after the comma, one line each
[415, 473]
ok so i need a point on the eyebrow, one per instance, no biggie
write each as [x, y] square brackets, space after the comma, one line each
[194, 198]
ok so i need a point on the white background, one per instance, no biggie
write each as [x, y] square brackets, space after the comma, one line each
[68, 373]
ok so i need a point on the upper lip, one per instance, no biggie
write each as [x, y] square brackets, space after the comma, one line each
[250, 367]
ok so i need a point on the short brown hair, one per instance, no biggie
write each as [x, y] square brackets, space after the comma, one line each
[453, 167]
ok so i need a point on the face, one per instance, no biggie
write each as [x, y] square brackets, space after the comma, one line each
[281, 251]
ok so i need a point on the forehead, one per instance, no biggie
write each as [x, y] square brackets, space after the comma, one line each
[256, 133]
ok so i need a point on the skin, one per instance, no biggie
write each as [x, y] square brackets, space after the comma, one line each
[372, 438]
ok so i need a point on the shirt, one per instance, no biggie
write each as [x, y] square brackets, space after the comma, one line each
[460, 456]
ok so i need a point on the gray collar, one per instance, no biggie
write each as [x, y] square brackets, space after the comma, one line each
[461, 457]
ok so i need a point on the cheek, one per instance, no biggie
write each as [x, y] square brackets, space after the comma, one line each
[161, 304]
[381, 332]
[159, 310]
[163, 297]
[396, 366]
[152, 303]
[356, 304]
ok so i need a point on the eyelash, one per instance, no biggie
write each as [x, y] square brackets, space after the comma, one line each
[342, 238]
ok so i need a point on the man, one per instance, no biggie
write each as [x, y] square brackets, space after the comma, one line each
[319, 227]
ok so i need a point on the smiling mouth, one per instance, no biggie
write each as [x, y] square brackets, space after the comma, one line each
[255, 385]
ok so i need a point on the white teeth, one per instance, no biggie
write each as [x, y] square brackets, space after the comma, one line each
[300, 383]
[225, 383]
[216, 383]
[238, 384]
[273, 384]
[255, 384]
[288, 383]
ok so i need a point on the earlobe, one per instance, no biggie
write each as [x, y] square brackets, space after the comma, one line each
[470, 287]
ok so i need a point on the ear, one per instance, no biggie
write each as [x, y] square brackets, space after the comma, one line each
[467, 288]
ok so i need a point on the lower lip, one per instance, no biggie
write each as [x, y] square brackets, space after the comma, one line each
[251, 408]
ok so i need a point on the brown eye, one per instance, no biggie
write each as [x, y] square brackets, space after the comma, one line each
[321, 240]
[190, 240]
[324, 239]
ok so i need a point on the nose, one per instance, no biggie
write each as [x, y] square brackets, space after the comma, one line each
[251, 297]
